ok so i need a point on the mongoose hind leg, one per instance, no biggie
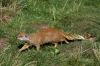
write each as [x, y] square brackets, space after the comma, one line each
[55, 45]
[66, 41]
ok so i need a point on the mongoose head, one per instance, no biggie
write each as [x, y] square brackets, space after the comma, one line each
[22, 36]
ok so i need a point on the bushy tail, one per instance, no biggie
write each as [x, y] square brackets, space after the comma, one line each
[73, 37]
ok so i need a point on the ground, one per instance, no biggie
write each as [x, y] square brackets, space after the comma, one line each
[72, 16]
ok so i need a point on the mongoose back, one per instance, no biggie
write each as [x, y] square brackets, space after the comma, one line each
[46, 36]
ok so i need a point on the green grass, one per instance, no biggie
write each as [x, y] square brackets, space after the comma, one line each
[72, 16]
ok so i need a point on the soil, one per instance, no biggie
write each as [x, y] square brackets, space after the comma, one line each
[3, 42]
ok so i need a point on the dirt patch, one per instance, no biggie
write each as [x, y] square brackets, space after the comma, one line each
[3, 42]
[81, 28]
[40, 26]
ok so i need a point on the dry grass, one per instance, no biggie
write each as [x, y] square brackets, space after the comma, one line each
[9, 11]
[71, 16]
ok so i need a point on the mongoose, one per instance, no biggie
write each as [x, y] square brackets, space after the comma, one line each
[46, 36]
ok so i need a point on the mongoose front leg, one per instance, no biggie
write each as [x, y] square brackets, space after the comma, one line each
[38, 47]
[24, 47]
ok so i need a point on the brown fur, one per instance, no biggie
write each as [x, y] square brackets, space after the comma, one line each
[44, 36]
[87, 36]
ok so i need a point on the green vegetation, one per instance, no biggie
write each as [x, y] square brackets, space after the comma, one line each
[72, 16]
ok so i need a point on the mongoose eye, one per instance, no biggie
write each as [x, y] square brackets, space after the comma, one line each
[26, 36]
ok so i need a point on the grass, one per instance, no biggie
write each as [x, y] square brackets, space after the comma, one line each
[72, 16]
